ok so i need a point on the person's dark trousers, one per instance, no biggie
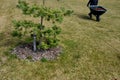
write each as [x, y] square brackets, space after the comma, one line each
[90, 14]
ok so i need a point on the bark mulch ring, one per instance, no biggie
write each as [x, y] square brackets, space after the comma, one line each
[25, 51]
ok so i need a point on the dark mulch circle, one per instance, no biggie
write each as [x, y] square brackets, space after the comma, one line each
[25, 51]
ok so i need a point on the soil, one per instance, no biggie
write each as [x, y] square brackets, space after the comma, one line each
[25, 51]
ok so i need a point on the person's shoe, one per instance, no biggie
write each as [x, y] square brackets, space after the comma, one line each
[90, 15]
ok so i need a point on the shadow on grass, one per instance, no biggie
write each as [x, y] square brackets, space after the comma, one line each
[85, 17]
[118, 56]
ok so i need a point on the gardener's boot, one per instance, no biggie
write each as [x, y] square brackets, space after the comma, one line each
[90, 15]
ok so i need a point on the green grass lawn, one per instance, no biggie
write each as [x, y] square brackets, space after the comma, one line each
[91, 49]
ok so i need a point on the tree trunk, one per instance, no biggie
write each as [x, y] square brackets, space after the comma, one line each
[43, 2]
[34, 43]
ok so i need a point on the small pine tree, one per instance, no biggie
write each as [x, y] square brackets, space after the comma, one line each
[46, 37]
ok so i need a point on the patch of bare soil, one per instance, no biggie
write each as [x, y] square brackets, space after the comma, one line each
[25, 51]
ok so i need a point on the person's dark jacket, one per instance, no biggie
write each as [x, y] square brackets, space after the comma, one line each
[92, 2]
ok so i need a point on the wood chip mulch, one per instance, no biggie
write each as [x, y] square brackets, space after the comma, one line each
[25, 51]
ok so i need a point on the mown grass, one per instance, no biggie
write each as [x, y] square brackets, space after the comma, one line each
[91, 49]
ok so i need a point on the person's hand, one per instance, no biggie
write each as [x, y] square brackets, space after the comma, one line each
[87, 5]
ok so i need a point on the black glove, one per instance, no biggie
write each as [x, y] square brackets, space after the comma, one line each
[87, 5]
